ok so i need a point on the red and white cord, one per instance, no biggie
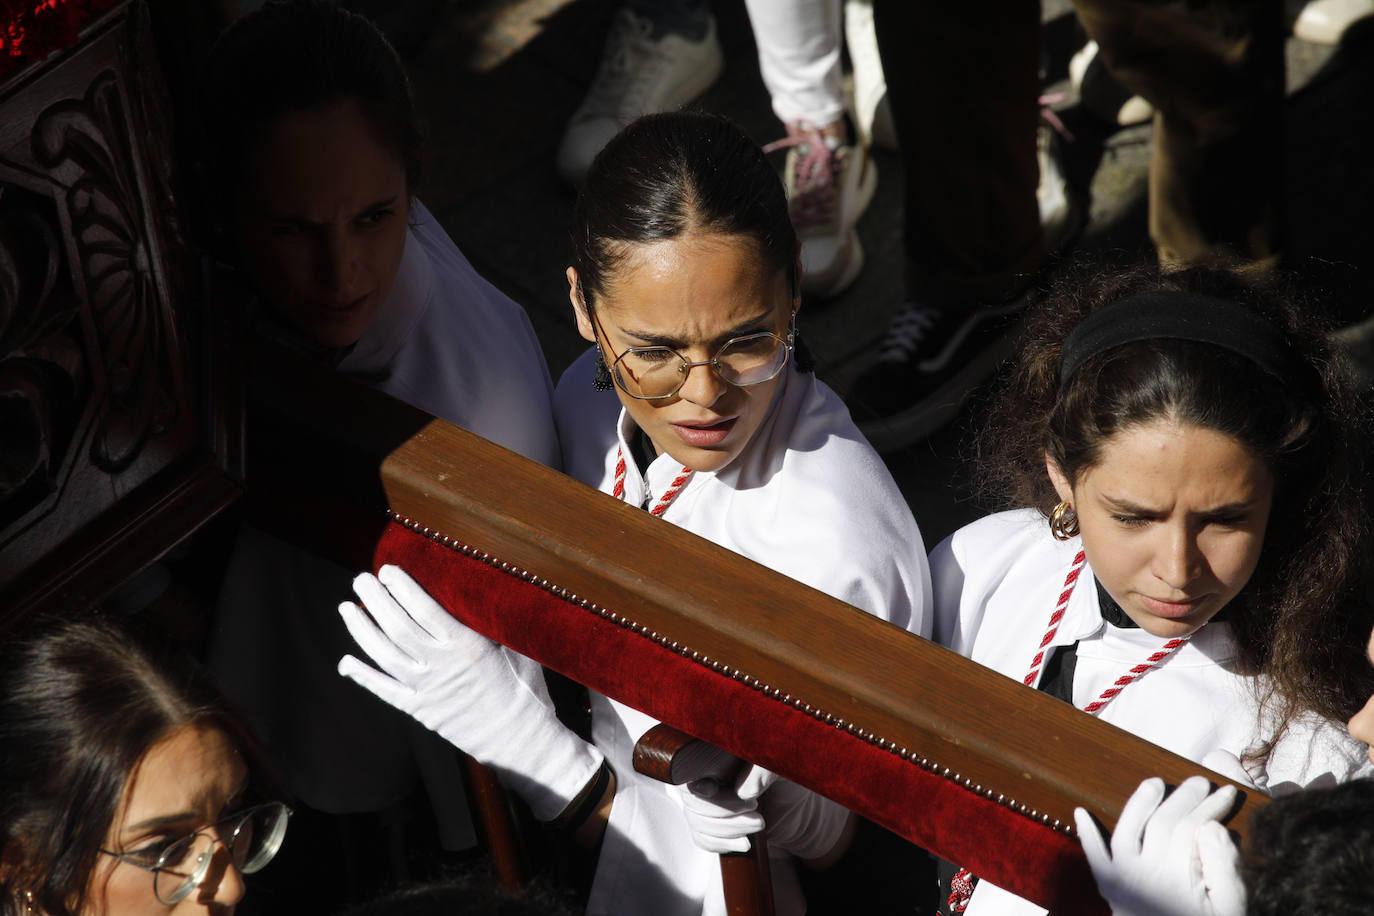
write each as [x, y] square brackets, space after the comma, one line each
[1060, 607]
[1156, 659]
[961, 888]
[664, 501]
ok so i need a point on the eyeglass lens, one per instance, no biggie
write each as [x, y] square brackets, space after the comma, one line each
[660, 371]
[252, 838]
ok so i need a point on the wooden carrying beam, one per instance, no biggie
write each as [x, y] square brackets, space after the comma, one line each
[960, 759]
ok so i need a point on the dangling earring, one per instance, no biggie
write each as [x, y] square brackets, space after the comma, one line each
[601, 376]
[802, 360]
[1064, 522]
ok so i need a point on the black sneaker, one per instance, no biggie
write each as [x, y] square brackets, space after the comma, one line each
[928, 363]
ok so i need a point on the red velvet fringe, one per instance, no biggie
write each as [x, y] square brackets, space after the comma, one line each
[1011, 850]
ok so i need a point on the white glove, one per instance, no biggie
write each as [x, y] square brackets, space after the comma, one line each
[486, 700]
[1255, 774]
[798, 820]
[722, 817]
[1222, 761]
[1169, 857]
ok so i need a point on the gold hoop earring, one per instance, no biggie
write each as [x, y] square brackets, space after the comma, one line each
[1064, 522]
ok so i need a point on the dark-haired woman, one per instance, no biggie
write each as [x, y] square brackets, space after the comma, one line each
[125, 787]
[1189, 560]
[692, 406]
[313, 153]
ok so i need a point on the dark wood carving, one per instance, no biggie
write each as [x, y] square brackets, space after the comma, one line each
[118, 415]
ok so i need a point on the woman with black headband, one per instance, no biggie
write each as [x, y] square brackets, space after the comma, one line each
[1188, 557]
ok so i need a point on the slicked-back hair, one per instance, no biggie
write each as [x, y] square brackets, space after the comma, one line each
[669, 174]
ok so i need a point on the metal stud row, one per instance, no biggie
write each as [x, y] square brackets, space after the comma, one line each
[787, 699]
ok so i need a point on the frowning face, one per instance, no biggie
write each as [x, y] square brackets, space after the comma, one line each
[1173, 519]
[321, 223]
[187, 780]
[692, 294]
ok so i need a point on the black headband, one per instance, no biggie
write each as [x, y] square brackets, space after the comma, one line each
[1176, 316]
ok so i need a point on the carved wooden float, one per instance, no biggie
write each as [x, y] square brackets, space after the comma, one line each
[120, 414]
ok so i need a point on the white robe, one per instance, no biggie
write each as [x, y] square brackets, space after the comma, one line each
[450, 343]
[807, 497]
[996, 583]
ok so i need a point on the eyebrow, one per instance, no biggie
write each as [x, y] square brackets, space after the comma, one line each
[165, 820]
[183, 817]
[297, 221]
[1124, 505]
[667, 340]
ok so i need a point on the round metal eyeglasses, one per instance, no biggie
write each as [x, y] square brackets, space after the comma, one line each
[657, 373]
[252, 838]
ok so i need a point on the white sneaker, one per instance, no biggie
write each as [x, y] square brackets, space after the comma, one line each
[829, 185]
[1100, 93]
[638, 75]
[1323, 22]
[872, 114]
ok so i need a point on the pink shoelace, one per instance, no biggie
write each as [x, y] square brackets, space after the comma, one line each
[1051, 117]
[814, 171]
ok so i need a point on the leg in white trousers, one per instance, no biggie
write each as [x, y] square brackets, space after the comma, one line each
[799, 57]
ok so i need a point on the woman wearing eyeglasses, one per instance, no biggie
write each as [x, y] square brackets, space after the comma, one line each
[125, 787]
[694, 406]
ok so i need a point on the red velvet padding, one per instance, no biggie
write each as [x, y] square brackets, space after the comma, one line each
[1001, 846]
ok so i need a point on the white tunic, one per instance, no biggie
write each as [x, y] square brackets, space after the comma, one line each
[450, 343]
[807, 497]
[996, 583]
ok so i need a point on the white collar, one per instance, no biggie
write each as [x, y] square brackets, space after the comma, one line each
[662, 471]
[664, 468]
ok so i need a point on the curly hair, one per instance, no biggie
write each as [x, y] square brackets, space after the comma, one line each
[1305, 615]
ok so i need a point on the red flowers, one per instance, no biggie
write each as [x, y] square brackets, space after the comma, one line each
[30, 30]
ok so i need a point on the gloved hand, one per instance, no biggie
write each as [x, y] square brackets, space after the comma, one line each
[486, 700]
[798, 820]
[721, 817]
[1229, 765]
[1169, 856]
[1255, 774]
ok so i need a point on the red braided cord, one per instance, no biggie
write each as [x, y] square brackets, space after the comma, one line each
[669, 494]
[618, 491]
[1158, 658]
[673, 490]
[961, 888]
[1060, 607]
